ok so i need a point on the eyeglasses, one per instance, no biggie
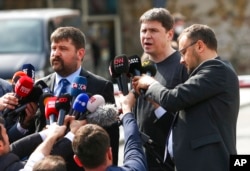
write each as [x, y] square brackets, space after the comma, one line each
[183, 51]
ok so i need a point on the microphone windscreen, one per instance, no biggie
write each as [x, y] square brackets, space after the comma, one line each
[149, 67]
[29, 70]
[80, 103]
[23, 86]
[95, 101]
[121, 64]
[104, 115]
[135, 65]
[79, 85]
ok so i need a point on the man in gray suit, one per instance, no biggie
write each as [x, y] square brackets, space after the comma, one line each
[204, 132]
[67, 53]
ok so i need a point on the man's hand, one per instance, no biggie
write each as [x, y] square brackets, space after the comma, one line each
[8, 101]
[142, 82]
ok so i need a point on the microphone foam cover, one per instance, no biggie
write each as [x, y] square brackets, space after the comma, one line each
[23, 86]
[121, 64]
[104, 115]
[80, 103]
[95, 101]
[33, 96]
[79, 85]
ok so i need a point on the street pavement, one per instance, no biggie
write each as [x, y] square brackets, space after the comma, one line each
[243, 126]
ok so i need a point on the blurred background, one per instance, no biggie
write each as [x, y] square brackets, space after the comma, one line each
[112, 28]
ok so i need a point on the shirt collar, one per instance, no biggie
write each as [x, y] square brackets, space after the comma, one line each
[70, 78]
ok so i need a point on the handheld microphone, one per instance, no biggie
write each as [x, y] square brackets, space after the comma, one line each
[104, 115]
[43, 100]
[135, 65]
[95, 101]
[114, 75]
[121, 67]
[23, 88]
[63, 106]
[16, 77]
[80, 105]
[45, 88]
[149, 67]
[51, 113]
[29, 70]
[79, 85]
[34, 96]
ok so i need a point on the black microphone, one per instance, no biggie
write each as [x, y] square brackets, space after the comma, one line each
[114, 75]
[63, 106]
[135, 66]
[34, 96]
[29, 70]
[43, 86]
[149, 67]
[121, 67]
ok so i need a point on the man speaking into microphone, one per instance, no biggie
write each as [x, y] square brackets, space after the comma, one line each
[67, 53]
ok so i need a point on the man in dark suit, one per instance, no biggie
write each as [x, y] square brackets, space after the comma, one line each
[67, 53]
[204, 132]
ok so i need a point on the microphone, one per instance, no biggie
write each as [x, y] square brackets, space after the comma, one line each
[134, 65]
[104, 115]
[149, 67]
[95, 101]
[22, 88]
[34, 96]
[29, 70]
[79, 85]
[16, 77]
[114, 75]
[43, 100]
[45, 88]
[80, 105]
[63, 106]
[51, 113]
[121, 67]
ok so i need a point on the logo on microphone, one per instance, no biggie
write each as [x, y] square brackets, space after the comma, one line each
[62, 100]
[79, 86]
[118, 62]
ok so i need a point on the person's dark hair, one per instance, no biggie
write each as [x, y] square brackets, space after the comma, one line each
[50, 163]
[90, 144]
[200, 32]
[161, 15]
[75, 34]
[2, 123]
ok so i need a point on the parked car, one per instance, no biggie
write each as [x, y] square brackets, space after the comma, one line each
[25, 37]
[244, 81]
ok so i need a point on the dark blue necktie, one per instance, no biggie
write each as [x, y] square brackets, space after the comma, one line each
[64, 84]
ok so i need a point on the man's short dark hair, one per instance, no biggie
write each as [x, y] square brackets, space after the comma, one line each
[75, 34]
[90, 144]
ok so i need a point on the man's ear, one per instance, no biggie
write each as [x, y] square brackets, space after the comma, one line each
[77, 161]
[1, 146]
